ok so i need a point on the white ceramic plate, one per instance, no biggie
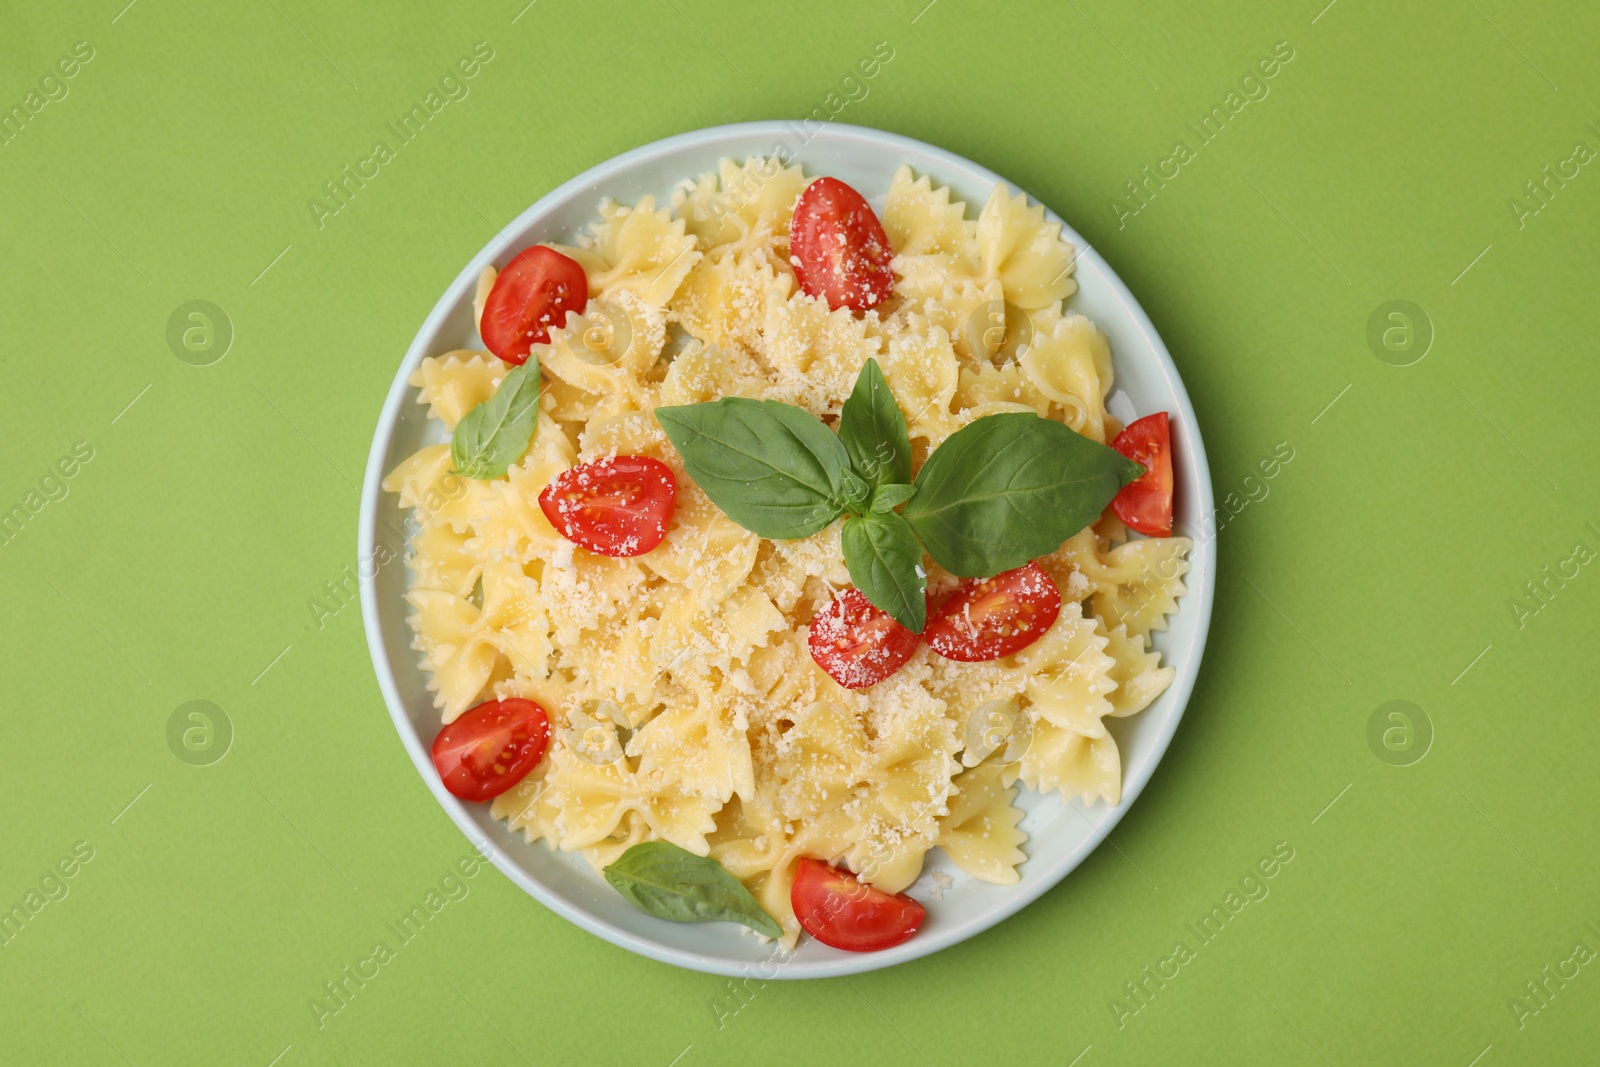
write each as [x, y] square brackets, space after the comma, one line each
[1060, 834]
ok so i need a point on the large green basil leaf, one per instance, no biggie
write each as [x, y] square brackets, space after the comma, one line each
[673, 883]
[495, 433]
[885, 563]
[874, 431]
[772, 468]
[1009, 488]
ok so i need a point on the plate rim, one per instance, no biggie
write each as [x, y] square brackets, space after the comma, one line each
[1199, 597]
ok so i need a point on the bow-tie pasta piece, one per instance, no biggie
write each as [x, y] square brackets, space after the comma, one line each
[701, 747]
[912, 756]
[704, 550]
[1071, 365]
[743, 208]
[1139, 675]
[1023, 252]
[690, 642]
[883, 853]
[1146, 582]
[455, 383]
[639, 250]
[426, 483]
[815, 354]
[921, 220]
[441, 559]
[816, 756]
[923, 373]
[513, 608]
[605, 352]
[583, 591]
[509, 524]
[1082, 768]
[1069, 673]
[980, 834]
[785, 568]
[935, 244]
[1078, 567]
[723, 301]
[594, 798]
[986, 386]
[528, 806]
[457, 647]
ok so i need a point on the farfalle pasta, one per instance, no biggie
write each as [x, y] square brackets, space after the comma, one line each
[683, 703]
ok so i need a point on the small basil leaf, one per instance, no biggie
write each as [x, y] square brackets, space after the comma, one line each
[885, 563]
[889, 496]
[855, 493]
[874, 431]
[673, 883]
[772, 468]
[1009, 488]
[495, 434]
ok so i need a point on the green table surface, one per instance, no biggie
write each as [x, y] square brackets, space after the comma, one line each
[1442, 904]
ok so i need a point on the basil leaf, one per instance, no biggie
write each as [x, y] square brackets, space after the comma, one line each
[673, 883]
[885, 563]
[495, 433]
[854, 493]
[1009, 488]
[772, 468]
[890, 496]
[874, 431]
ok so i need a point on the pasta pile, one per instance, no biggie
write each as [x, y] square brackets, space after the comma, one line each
[684, 703]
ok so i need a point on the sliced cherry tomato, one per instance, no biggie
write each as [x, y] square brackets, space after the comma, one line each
[992, 617]
[535, 292]
[615, 507]
[1145, 503]
[491, 748]
[838, 247]
[857, 644]
[842, 912]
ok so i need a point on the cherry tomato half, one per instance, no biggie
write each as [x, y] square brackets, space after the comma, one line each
[614, 507]
[992, 617]
[857, 644]
[1145, 503]
[535, 292]
[839, 250]
[842, 912]
[491, 748]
